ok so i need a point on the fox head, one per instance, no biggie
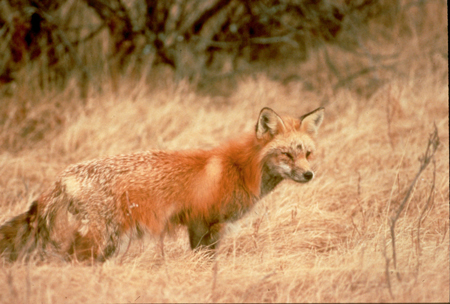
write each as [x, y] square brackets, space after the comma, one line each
[288, 143]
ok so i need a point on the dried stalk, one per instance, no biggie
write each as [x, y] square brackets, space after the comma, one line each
[427, 206]
[388, 261]
[432, 145]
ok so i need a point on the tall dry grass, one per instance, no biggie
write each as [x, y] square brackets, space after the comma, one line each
[325, 241]
[322, 241]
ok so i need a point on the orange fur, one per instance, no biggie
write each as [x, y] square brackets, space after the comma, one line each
[93, 204]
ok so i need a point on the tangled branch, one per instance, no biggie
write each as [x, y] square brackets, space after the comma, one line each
[432, 145]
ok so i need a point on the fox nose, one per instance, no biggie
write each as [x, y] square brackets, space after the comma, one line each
[308, 175]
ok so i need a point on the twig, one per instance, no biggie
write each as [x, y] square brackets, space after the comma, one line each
[361, 72]
[90, 35]
[433, 143]
[28, 283]
[131, 224]
[427, 206]
[163, 255]
[331, 65]
[68, 45]
[388, 261]
[388, 117]
[215, 272]
[214, 283]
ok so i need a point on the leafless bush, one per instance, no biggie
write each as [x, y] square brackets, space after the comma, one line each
[198, 39]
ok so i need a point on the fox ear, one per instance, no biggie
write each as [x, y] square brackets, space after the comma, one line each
[268, 122]
[311, 121]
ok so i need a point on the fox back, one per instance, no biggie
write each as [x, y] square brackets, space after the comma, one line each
[93, 205]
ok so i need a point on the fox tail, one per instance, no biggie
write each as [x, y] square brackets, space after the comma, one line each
[18, 236]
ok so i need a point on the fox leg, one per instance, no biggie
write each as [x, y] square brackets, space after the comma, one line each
[203, 234]
[91, 247]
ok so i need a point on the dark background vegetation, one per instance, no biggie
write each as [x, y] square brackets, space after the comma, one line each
[207, 42]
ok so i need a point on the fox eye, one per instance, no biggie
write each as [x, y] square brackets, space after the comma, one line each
[308, 154]
[289, 155]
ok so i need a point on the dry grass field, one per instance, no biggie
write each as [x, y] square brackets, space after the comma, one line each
[325, 241]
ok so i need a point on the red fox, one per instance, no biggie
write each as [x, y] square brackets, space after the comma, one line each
[93, 204]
